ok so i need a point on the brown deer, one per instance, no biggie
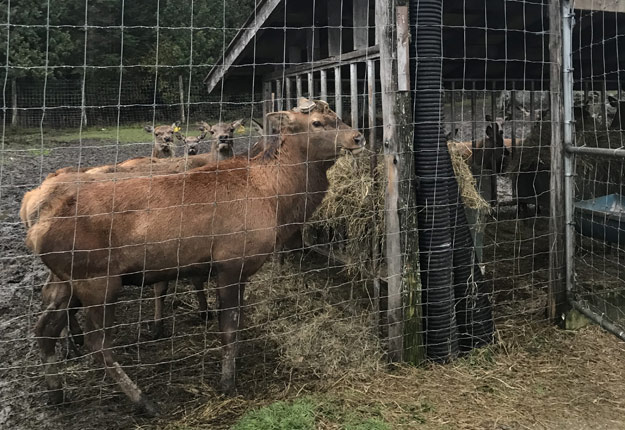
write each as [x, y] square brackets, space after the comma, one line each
[164, 139]
[221, 219]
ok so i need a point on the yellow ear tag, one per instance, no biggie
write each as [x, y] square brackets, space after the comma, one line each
[176, 129]
[241, 129]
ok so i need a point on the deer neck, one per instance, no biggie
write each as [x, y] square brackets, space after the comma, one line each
[299, 183]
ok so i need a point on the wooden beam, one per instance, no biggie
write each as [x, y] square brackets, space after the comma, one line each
[298, 87]
[600, 5]
[359, 56]
[240, 41]
[338, 92]
[361, 23]
[279, 95]
[267, 105]
[401, 256]
[311, 85]
[353, 91]
[403, 41]
[557, 303]
[373, 166]
[289, 93]
[323, 77]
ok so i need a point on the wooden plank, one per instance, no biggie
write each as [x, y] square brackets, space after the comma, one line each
[335, 29]
[373, 166]
[353, 91]
[240, 41]
[403, 42]
[557, 303]
[311, 85]
[298, 87]
[288, 91]
[360, 23]
[338, 92]
[493, 153]
[600, 5]
[359, 56]
[267, 107]
[279, 95]
[402, 275]
[323, 76]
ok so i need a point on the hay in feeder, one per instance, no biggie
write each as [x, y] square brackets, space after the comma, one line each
[353, 207]
[466, 182]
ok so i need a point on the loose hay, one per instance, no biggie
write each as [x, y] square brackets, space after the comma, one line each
[315, 329]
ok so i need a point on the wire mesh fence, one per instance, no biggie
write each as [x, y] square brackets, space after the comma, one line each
[598, 174]
[193, 191]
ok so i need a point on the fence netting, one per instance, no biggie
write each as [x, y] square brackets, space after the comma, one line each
[111, 105]
[598, 178]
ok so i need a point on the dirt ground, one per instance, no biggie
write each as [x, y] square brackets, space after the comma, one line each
[534, 377]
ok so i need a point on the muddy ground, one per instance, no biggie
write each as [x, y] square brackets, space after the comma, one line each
[565, 374]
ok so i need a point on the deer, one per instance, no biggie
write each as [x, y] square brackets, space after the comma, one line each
[164, 139]
[223, 219]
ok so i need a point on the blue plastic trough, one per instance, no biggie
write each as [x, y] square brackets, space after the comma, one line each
[602, 218]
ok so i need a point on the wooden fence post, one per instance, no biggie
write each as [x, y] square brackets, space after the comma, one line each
[402, 269]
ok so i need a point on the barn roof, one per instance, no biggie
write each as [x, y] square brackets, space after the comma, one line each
[504, 44]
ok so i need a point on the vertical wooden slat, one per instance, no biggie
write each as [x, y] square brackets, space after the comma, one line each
[353, 91]
[338, 92]
[402, 273]
[298, 87]
[360, 20]
[373, 164]
[323, 76]
[288, 92]
[513, 122]
[279, 95]
[311, 85]
[266, 104]
[403, 41]
[557, 303]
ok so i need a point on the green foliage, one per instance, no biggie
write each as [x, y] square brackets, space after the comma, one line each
[299, 415]
[306, 413]
[190, 38]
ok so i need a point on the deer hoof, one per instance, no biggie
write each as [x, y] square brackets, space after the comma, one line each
[158, 332]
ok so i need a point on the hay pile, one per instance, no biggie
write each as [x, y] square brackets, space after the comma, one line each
[354, 204]
[466, 181]
[354, 208]
[316, 329]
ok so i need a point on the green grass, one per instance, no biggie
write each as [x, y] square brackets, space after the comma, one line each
[298, 415]
[307, 412]
[29, 136]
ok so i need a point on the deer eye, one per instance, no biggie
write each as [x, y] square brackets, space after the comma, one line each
[316, 123]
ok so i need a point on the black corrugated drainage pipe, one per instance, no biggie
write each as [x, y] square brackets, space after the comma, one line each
[457, 310]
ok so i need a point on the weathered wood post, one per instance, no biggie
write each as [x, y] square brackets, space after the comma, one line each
[183, 117]
[557, 304]
[404, 315]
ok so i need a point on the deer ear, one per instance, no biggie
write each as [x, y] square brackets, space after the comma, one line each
[489, 131]
[149, 129]
[279, 120]
[236, 124]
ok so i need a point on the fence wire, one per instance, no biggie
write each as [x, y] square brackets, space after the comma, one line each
[126, 250]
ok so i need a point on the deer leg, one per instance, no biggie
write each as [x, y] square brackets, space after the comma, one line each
[229, 293]
[99, 319]
[198, 284]
[160, 290]
[56, 298]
